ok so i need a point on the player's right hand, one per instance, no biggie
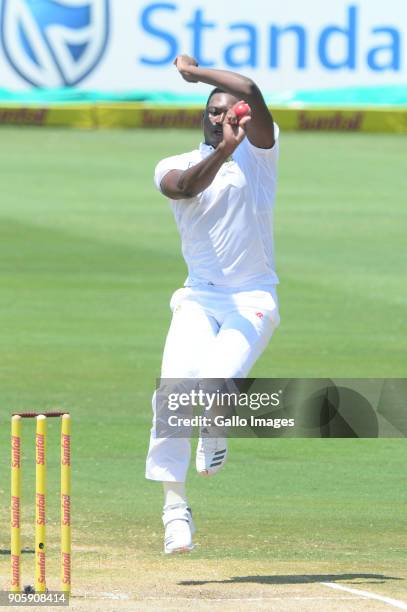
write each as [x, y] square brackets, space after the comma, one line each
[233, 132]
[183, 64]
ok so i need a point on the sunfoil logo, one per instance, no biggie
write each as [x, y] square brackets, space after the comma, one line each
[337, 46]
[54, 43]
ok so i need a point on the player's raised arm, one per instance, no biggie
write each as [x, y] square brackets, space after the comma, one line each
[260, 130]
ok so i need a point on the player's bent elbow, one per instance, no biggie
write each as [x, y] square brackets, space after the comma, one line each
[177, 186]
[186, 190]
[251, 90]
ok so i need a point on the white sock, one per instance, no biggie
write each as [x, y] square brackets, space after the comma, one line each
[174, 494]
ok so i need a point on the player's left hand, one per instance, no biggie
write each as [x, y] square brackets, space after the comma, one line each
[183, 63]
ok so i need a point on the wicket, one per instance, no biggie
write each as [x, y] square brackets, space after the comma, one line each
[40, 500]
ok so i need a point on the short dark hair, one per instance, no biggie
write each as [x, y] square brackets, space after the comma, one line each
[214, 91]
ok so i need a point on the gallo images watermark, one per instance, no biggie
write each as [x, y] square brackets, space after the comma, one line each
[271, 407]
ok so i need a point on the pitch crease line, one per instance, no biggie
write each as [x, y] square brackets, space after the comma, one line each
[231, 599]
[401, 605]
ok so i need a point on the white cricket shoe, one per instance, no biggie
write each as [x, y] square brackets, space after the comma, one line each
[179, 528]
[211, 454]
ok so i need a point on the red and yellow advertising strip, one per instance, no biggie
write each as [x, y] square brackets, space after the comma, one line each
[40, 503]
[139, 115]
[15, 504]
[66, 503]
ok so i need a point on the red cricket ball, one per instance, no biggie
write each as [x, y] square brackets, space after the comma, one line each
[241, 109]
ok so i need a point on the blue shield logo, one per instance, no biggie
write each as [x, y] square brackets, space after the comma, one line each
[54, 43]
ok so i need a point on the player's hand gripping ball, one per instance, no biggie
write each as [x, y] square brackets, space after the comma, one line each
[241, 109]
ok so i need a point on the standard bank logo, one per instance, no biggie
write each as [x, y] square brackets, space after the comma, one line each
[54, 43]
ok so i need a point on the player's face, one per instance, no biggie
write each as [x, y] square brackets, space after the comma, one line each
[215, 113]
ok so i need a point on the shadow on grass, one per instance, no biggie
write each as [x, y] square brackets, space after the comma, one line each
[24, 551]
[299, 579]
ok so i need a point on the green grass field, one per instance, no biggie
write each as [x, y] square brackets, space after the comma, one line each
[89, 259]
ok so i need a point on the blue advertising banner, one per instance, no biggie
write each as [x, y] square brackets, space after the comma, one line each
[126, 45]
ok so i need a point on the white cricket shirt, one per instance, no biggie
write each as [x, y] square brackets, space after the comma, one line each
[227, 230]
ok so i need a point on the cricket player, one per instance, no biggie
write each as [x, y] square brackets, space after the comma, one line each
[222, 196]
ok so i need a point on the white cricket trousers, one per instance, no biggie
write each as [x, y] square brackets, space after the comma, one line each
[215, 332]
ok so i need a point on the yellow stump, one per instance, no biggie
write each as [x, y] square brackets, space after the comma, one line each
[40, 498]
[66, 503]
[15, 504]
